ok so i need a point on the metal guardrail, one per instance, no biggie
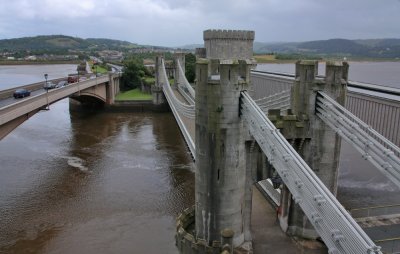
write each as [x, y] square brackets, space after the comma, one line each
[390, 245]
[333, 223]
[375, 211]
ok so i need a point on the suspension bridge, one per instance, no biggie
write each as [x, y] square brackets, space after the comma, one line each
[220, 116]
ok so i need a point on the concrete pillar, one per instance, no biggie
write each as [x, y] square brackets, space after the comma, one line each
[111, 88]
[159, 100]
[252, 154]
[220, 155]
[181, 58]
[321, 151]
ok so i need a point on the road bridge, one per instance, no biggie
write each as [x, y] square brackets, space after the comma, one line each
[14, 112]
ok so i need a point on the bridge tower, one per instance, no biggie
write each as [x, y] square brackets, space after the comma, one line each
[181, 57]
[220, 142]
[159, 100]
[316, 142]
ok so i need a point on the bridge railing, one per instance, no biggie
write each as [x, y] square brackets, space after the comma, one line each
[375, 211]
[277, 83]
[333, 223]
[389, 245]
[178, 108]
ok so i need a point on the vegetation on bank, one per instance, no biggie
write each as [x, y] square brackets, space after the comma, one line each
[101, 68]
[190, 67]
[131, 95]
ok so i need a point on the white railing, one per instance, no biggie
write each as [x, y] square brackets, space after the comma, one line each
[330, 219]
[178, 108]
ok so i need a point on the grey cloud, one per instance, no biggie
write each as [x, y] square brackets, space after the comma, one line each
[179, 22]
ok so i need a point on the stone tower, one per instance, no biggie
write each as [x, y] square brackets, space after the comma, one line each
[220, 215]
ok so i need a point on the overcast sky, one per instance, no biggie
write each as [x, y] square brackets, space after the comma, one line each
[181, 22]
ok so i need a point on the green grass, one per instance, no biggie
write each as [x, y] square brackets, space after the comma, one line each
[100, 69]
[132, 95]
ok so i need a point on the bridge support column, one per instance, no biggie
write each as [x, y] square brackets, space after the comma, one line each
[181, 58]
[159, 100]
[112, 88]
[321, 149]
[220, 155]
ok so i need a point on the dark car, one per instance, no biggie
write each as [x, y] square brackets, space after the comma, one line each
[72, 79]
[21, 93]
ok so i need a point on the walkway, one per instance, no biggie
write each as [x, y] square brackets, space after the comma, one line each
[268, 236]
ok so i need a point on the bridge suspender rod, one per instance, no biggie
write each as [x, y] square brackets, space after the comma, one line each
[373, 146]
[279, 100]
[336, 227]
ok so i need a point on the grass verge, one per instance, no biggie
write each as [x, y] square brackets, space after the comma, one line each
[133, 95]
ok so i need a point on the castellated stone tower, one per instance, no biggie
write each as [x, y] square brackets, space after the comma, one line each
[221, 214]
[220, 144]
[228, 44]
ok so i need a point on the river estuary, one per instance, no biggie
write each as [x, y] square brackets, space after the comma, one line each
[114, 182]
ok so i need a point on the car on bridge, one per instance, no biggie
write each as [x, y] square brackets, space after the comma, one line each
[21, 93]
[49, 85]
[62, 83]
[72, 79]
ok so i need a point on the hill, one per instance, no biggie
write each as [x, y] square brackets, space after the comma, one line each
[372, 48]
[62, 42]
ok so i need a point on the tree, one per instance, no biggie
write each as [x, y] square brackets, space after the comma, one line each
[190, 67]
[134, 71]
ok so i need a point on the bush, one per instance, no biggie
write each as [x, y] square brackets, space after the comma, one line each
[134, 71]
[190, 67]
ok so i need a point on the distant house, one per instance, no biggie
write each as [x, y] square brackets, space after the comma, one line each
[10, 58]
[31, 58]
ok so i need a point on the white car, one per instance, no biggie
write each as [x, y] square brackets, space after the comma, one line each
[62, 83]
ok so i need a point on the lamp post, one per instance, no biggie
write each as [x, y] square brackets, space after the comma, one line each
[47, 90]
